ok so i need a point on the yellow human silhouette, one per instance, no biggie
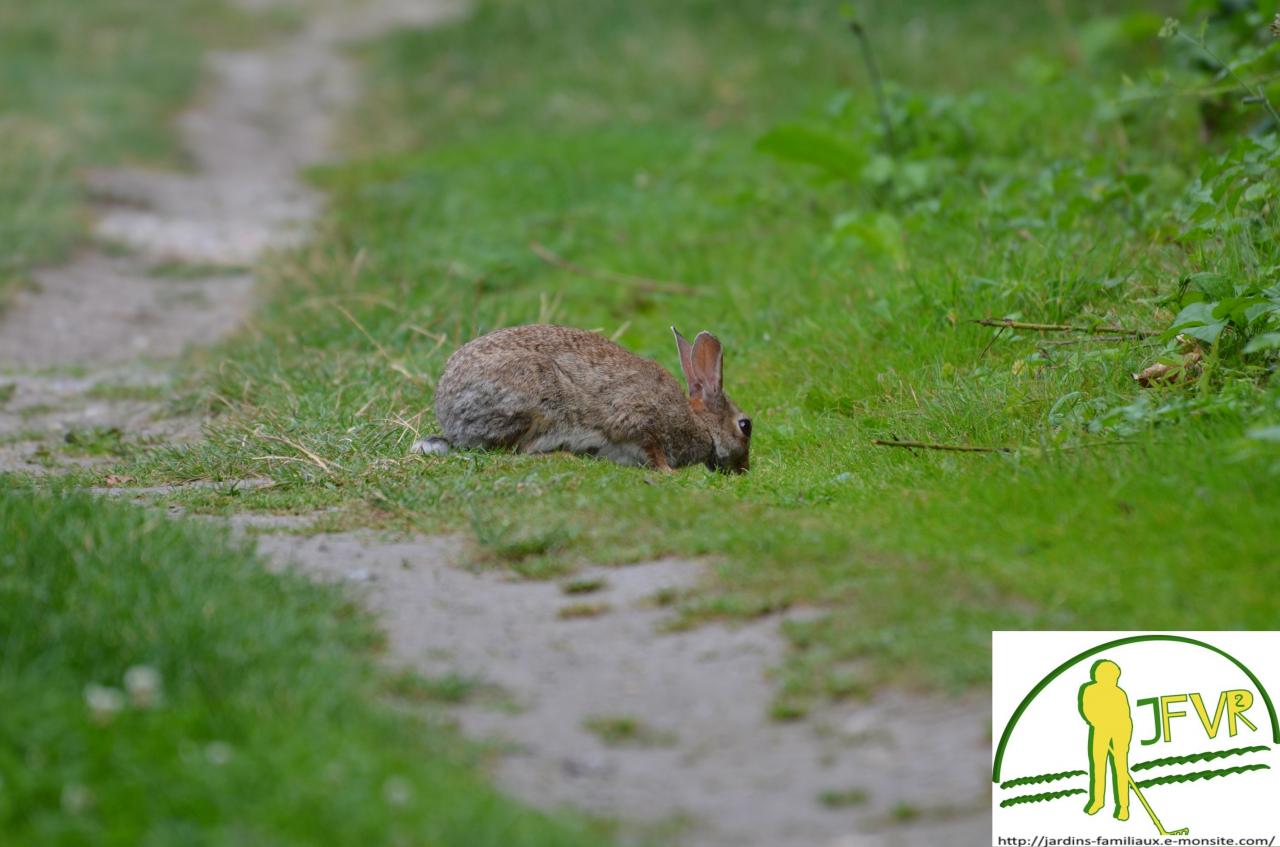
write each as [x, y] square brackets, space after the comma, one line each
[1105, 707]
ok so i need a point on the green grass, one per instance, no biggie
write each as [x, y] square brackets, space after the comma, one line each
[89, 83]
[95, 441]
[128, 391]
[196, 270]
[577, 611]
[159, 687]
[587, 585]
[451, 688]
[626, 731]
[1030, 180]
[844, 798]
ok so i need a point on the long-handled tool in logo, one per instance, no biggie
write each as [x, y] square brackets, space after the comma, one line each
[1151, 813]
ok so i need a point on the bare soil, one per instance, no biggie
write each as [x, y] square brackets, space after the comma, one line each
[699, 760]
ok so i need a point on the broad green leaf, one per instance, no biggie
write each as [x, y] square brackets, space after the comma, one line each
[1266, 341]
[1260, 310]
[1197, 321]
[878, 233]
[1265, 433]
[1215, 286]
[1236, 309]
[1258, 191]
[817, 147]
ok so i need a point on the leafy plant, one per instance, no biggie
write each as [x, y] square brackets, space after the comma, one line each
[1227, 219]
[816, 146]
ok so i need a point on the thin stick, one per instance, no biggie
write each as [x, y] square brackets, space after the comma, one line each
[406, 425]
[382, 351]
[876, 85]
[1198, 93]
[991, 341]
[1059, 14]
[954, 448]
[964, 448]
[1150, 812]
[546, 255]
[1255, 91]
[1090, 445]
[1070, 342]
[319, 462]
[1094, 330]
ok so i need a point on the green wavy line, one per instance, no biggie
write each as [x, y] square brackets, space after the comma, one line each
[1198, 775]
[1044, 777]
[1206, 756]
[1040, 798]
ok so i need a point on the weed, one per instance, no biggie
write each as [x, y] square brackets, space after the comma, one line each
[626, 731]
[843, 798]
[588, 585]
[577, 611]
[96, 441]
[668, 596]
[126, 391]
[196, 270]
[451, 688]
[512, 543]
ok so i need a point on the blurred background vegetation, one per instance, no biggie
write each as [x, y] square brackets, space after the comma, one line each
[87, 84]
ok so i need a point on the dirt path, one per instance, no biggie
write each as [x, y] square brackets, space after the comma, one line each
[89, 349]
[688, 755]
[703, 766]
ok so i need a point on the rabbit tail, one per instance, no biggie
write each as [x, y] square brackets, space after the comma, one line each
[432, 445]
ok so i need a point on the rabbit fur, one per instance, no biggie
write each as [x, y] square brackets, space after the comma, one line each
[540, 388]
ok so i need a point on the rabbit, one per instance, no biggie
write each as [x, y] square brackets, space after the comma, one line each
[539, 388]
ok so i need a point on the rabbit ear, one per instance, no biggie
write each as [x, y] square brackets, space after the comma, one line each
[708, 366]
[686, 360]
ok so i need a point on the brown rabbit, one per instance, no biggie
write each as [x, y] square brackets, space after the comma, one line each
[537, 389]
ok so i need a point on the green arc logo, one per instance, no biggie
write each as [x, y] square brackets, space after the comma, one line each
[1067, 665]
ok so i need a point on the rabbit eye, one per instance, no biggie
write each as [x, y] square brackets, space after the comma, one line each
[744, 424]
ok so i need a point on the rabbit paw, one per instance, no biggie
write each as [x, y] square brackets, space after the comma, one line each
[431, 446]
[658, 459]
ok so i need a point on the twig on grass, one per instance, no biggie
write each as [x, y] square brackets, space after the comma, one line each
[954, 448]
[991, 341]
[318, 461]
[1091, 444]
[382, 351]
[1071, 342]
[644, 283]
[1092, 330]
[360, 412]
[406, 425]
[966, 448]
[877, 86]
[1257, 94]
[271, 457]
[438, 337]
[357, 265]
